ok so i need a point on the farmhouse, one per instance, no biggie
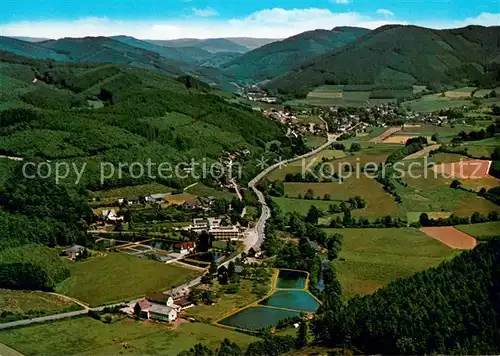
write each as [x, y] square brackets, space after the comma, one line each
[74, 251]
[155, 198]
[110, 215]
[153, 311]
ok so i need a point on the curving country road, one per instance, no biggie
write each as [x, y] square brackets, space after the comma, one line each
[259, 234]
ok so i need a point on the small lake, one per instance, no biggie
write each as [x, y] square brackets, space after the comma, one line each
[207, 256]
[291, 279]
[256, 318]
[292, 299]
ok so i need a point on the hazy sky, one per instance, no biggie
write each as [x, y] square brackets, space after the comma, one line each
[167, 19]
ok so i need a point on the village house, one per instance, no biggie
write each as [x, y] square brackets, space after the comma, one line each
[191, 204]
[154, 311]
[155, 198]
[130, 200]
[74, 251]
[110, 215]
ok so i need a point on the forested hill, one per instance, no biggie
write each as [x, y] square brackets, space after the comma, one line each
[278, 58]
[451, 309]
[127, 50]
[102, 112]
[399, 55]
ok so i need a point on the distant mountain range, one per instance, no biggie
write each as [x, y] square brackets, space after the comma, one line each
[389, 56]
[216, 45]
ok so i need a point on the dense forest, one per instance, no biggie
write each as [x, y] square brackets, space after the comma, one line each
[450, 309]
[278, 58]
[394, 55]
[90, 113]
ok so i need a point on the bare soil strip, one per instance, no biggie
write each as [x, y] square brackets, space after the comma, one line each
[390, 131]
[471, 169]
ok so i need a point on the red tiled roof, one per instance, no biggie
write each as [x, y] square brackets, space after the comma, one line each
[144, 304]
[184, 245]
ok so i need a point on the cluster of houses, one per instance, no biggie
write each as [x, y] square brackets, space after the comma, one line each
[295, 127]
[215, 228]
[254, 93]
[160, 306]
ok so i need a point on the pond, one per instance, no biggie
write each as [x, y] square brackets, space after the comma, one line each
[292, 299]
[161, 244]
[207, 256]
[256, 318]
[291, 279]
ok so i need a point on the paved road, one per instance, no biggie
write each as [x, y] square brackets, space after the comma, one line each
[43, 319]
[266, 212]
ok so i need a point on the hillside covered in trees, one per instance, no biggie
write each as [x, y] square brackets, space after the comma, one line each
[278, 58]
[396, 55]
[96, 113]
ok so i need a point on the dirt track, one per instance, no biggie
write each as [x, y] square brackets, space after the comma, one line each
[390, 131]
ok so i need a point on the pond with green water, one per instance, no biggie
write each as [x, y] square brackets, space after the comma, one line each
[292, 299]
[256, 318]
[291, 279]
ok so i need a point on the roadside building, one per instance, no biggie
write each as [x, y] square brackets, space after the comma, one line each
[184, 248]
[155, 198]
[74, 251]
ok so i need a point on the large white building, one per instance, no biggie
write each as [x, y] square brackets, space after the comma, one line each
[213, 226]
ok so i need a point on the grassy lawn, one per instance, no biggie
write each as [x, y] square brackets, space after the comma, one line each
[26, 304]
[201, 190]
[117, 277]
[145, 189]
[86, 336]
[375, 257]
[482, 231]
[226, 302]
[314, 141]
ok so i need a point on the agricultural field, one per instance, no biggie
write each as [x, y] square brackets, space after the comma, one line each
[328, 95]
[450, 236]
[371, 258]
[460, 93]
[87, 336]
[434, 102]
[379, 203]
[483, 231]
[201, 190]
[17, 305]
[116, 277]
[301, 206]
[430, 194]
[313, 141]
[482, 148]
